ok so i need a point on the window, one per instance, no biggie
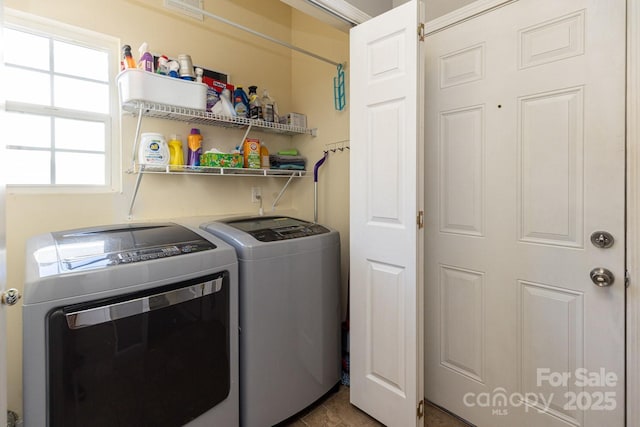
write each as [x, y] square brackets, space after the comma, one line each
[60, 104]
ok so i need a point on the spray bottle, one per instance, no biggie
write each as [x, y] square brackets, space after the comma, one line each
[255, 106]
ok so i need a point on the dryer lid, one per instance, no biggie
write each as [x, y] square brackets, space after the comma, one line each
[105, 246]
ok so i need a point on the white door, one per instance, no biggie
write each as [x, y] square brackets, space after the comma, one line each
[3, 263]
[386, 302]
[525, 159]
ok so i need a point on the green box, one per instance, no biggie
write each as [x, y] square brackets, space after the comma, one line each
[220, 160]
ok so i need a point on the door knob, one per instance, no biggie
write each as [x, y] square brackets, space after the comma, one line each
[10, 296]
[602, 277]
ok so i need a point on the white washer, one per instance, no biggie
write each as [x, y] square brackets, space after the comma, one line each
[130, 325]
[289, 314]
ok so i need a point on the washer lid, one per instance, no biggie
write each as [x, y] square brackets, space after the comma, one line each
[99, 247]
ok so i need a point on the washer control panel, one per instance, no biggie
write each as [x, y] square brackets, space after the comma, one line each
[271, 229]
[286, 233]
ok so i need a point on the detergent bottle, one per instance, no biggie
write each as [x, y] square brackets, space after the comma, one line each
[240, 102]
[153, 149]
[176, 155]
[194, 143]
[264, 157]
[146, 59]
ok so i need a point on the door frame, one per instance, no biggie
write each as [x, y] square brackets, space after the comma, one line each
[632, 176]
[633, 211]
[3, 260]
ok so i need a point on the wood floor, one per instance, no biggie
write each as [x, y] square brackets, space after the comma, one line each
[334, 410]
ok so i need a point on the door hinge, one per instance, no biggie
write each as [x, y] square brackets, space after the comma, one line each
[627, 279]
[421, 32]
[420, 409]
[420, 220]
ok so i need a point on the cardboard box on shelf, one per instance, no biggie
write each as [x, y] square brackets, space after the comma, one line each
[251, 150]
[214, 90]
[294, 119]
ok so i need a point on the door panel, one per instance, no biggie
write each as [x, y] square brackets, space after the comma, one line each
[524, 160]
[551, 336]
[386, 351]
[461, 330]
[462, 177]
[550, 198]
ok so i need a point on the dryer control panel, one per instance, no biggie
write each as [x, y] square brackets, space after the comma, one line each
[100, 247]
[155, 253]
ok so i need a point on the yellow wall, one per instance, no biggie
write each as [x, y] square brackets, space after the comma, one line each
[298, 83]
[313, 94]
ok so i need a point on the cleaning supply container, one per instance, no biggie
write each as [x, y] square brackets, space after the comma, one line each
[153, 150]
[194, 142]
[251, 151]
[240, 102]
[146, 59]
[176, 155]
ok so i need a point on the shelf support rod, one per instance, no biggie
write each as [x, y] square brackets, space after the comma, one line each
[245, 135]
[135, 193]
[275, 202]
[255, 33]
[136, 142]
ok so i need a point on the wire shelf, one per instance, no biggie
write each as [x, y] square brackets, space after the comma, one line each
[207, 170]
[172, 112]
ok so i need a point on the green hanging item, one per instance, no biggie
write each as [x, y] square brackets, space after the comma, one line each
[339, 98]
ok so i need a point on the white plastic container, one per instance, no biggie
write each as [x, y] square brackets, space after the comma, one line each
[153, 150]
[134, 84]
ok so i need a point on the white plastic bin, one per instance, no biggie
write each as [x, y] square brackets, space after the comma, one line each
[134, 84]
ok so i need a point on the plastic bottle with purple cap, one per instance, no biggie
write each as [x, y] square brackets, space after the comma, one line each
[194, 144]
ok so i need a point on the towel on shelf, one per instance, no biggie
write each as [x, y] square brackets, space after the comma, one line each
[279, 161]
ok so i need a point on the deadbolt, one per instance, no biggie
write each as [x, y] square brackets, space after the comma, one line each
[602, 277]
[602, 239]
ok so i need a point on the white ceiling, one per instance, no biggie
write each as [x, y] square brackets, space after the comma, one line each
[434, 8]
[360, 10]
[372, 7]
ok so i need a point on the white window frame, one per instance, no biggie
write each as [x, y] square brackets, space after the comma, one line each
[22, 21]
